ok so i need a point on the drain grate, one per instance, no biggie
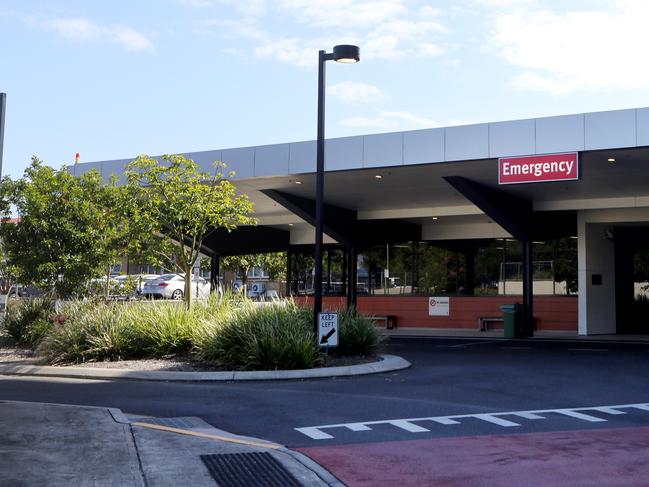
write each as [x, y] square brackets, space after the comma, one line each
[248, 470]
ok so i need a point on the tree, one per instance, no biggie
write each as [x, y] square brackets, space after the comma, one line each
[69, 229]
[274, 264]
[173, 205]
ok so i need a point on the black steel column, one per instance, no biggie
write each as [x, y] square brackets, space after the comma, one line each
[352, 274]
[319, 188]
[289, 266]
[528, 287]
[215, 270]
[3, 104]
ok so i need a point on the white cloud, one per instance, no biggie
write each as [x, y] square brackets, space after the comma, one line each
[77, 29]
[393, 120]
[578, 50]
[384, 29]
[431, 50]
[353, 92]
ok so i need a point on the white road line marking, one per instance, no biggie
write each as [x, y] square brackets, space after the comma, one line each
[495, 420]
[408, 426]
[529, 415]
[444, 420]
[582, 416]
[608, 411]
[314, 433]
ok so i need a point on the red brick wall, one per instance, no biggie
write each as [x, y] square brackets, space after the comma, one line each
[550, 312]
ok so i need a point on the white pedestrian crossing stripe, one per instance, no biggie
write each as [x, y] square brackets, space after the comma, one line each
[422, 425]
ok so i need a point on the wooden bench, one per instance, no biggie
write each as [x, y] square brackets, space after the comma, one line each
[483, 321]
[389, 320]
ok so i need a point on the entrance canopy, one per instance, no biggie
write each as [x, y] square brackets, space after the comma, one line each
[401, 176]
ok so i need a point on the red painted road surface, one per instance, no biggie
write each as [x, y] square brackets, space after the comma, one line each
[584, 458]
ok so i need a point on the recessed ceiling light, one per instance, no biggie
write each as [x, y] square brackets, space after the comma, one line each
[378, 176]
[290, 224]
[298, 182]
[611, 159]
[434, 218]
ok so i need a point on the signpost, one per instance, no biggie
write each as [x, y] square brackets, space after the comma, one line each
[328, 329]
[438, 306]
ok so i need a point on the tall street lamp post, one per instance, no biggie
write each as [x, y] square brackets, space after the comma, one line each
[3, 104]
[341, 54]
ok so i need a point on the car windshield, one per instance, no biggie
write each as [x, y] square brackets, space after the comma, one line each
[167, 277]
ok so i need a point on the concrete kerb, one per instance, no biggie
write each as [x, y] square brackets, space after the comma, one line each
[389, 363]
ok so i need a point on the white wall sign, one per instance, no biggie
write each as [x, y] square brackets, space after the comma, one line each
[328, 329]
[438, 306]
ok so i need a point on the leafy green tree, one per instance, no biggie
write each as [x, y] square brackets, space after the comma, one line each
[68, 231]
[565, 263]
[173, 205]
[274, 264]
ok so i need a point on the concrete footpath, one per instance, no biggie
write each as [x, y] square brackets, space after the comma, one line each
[61, 445]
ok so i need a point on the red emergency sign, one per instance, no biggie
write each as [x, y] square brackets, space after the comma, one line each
[536, 169]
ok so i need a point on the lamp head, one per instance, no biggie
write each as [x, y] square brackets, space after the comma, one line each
[346, 53]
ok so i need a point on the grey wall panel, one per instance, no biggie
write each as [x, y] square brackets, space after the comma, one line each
[382, 150]
[423, 146]
[271, 160]
[241, 161]
[467, 142]
[642, 126]
[79, 169]
[205, 159]
[559, 134]
[610, 129]
[114, 167]
[511, 138]
[344, 153]
[301, 157]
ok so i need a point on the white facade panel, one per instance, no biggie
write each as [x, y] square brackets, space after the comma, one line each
[382, 150]
[423, 146]
[271, 160]
[642, 126]
[301, 157]
[344, 153]
[241, 161]
[467, 142]
[559, 134]
[515, 138]
[612, 129]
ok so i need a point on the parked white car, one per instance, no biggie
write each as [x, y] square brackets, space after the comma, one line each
[172, 286]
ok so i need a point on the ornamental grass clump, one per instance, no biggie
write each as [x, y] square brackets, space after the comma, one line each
[262, 337]
[357, 334]
[29, 321]
[92, 332]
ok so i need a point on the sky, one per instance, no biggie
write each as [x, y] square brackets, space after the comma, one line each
[114, 79]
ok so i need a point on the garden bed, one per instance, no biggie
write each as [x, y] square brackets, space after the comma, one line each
[218, 335]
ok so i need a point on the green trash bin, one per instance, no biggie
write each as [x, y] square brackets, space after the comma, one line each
[513, 320]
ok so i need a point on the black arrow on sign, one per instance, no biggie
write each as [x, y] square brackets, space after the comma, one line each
[325, 338]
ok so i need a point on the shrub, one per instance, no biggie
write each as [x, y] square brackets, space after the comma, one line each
[91, 331]
[357, 334]
[29, 321]
[262, 337]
